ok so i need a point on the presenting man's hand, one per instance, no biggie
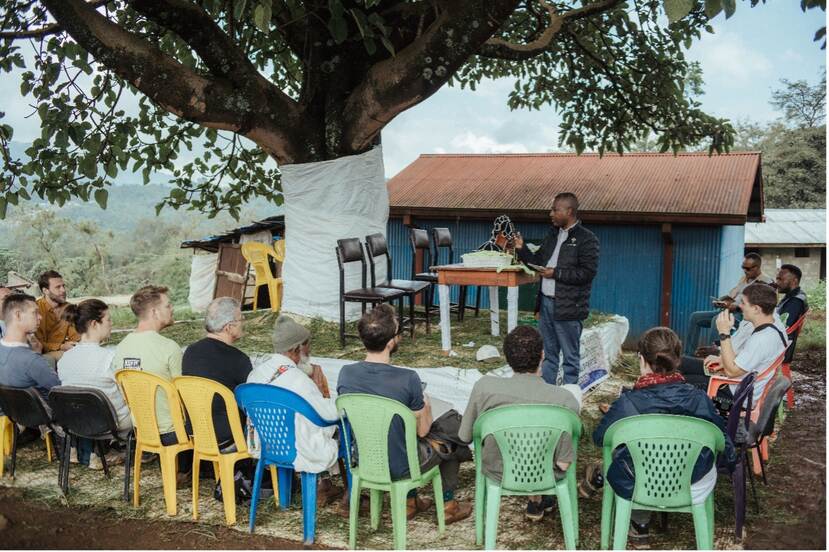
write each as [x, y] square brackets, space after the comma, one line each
[518, 241]
[547, 272]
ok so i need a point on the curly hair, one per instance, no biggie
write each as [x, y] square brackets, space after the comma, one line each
[523, 347]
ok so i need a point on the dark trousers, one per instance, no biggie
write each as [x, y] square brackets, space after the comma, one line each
[702, 322]
[693, 371]
[560, 336]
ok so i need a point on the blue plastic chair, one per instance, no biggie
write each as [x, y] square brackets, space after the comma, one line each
[272, 411]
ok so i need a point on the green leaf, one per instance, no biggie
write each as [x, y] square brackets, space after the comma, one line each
[239, 8]
[262, 17]
[101, 197]
[730, 7]
[712, 8]
[677, 9]
[112, 168]
[11, 197]
[338, 27]
[2, 208]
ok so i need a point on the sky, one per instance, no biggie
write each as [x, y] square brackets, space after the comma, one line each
[742, 62]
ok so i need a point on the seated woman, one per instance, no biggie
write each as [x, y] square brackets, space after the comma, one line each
[90, 365]
[660, 389]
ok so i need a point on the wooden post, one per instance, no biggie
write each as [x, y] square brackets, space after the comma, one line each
[667, 274]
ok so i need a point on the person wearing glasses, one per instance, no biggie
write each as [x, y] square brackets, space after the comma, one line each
[752, 273]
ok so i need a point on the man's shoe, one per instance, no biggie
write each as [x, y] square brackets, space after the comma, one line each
[417, 504]
[73, 456]
[113, 459]
[455, 511]
[638, 533]
[535, 510]
[593, 481]
[343, 506]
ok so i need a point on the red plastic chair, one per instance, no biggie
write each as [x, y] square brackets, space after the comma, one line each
[763, 378]
[793, 331]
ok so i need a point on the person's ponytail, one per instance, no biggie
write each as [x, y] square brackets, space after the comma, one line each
[661, 349]
[85, 312]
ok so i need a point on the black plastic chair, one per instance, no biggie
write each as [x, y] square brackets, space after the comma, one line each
[378, 247]
[24, 406]
[442, 240]
[351, 250]
[764, 426]
[739, 416]
[85, 412]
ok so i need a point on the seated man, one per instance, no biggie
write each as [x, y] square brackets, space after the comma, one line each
[55, 334]
[378, 329]
[214, 357]
[19, 365]
[793, 303]
[753, 348]
[145, 349]
[660, 389]
[316, 446]
[752, 272]
[523, 348]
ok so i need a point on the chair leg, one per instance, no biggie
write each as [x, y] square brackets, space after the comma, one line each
[738, 479]
[195, 484]
[99, 445]
[622, 522]
[427, 309]
[63, 471]
[342, 323]
[493, 507]
[353, 511]
[254, 500]
[136, 477]
[478, 301]
[15, 433]
[565, 509]
[440, 507]
[751, 480]
[480, 506]
[309, 506]
[226, 470]
[168, 477]
[274, 486]
[701, 526]
[375, 507]
[762, 468]
[286, 477]
[607, 516]
[128, 466]
[461, 303]
[412, 314]
[50, 454]
[398, 516]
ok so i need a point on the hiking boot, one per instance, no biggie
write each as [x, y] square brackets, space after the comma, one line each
[593, 481]
[417, 504]
[327, 492]
[112, 458]
[343, 506]
[638, 534]
[537, 508]
[455, 511]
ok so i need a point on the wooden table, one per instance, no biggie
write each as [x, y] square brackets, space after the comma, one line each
[458, 274]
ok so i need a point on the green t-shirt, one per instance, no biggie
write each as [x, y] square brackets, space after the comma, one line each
[156, 354]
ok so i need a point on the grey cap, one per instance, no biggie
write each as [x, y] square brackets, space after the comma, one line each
[287, 334]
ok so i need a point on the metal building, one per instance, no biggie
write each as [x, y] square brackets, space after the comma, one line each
[671, 228]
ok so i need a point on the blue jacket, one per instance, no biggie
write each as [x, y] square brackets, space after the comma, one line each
[681, 399]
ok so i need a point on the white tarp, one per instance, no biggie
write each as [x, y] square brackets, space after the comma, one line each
[202, 280]
[324, 202]
[454, 385]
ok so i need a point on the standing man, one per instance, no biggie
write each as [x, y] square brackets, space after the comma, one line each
[55, 334]
[570, 255]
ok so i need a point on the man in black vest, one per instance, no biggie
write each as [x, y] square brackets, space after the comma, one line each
[793, 303]
[567, 261]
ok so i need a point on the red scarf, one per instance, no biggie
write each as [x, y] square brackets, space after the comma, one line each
[657, 379]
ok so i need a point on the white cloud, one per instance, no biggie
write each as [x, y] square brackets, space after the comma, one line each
[469, 142]
[727, 58]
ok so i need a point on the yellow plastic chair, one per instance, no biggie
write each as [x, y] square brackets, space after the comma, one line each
[5, 441]
[257, 255]
[140, 391]
[197, 395]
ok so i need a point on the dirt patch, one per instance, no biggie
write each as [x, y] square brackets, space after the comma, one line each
[794, 503]
[35, 526]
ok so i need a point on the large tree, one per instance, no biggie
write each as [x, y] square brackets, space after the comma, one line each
[315, 80]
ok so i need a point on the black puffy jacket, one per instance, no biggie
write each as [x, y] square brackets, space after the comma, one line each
[578, 262]
[681, 399]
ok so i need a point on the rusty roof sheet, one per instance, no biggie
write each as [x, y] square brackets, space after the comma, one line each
[720, 186]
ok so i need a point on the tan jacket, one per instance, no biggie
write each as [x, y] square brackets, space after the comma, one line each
[53, 331]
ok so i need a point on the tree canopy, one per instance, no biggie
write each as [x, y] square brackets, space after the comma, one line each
[313, 80]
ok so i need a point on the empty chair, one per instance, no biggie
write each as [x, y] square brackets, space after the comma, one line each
[273, 411]
[85, 412]
[664, 449]
[377, 247]
[140, 391]
[756, 434]
[198, 394]
[5, 441]
[348, 251]
[442, 240]
[24, 406]
[257, 254]
[527, 437]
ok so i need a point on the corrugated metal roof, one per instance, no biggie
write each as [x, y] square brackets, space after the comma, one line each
[627, 186]
[789, 227]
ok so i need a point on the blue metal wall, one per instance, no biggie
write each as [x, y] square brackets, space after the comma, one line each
[696, 272]
[732, 249]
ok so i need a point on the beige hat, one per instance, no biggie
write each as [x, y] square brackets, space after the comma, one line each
[287, 334]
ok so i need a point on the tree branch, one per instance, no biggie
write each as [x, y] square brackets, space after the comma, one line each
[421, 68]
[210, 102]
[46, 30]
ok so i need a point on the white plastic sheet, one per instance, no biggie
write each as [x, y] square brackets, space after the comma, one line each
[324, 202]
[202, 280]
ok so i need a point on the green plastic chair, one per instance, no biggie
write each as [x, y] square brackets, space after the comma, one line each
[664, 449]
[527, 436]
[370, 418]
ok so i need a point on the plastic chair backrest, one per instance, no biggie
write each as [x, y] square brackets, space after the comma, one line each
[197, 394]
[279, 250]
[140, 390]
[741, 404]
[24, 405]
[83, 411]
[370, 418]
[527, 436]
[771, 402]
[273, 413]
[664, 449]
[793, 332]
[257, 255]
